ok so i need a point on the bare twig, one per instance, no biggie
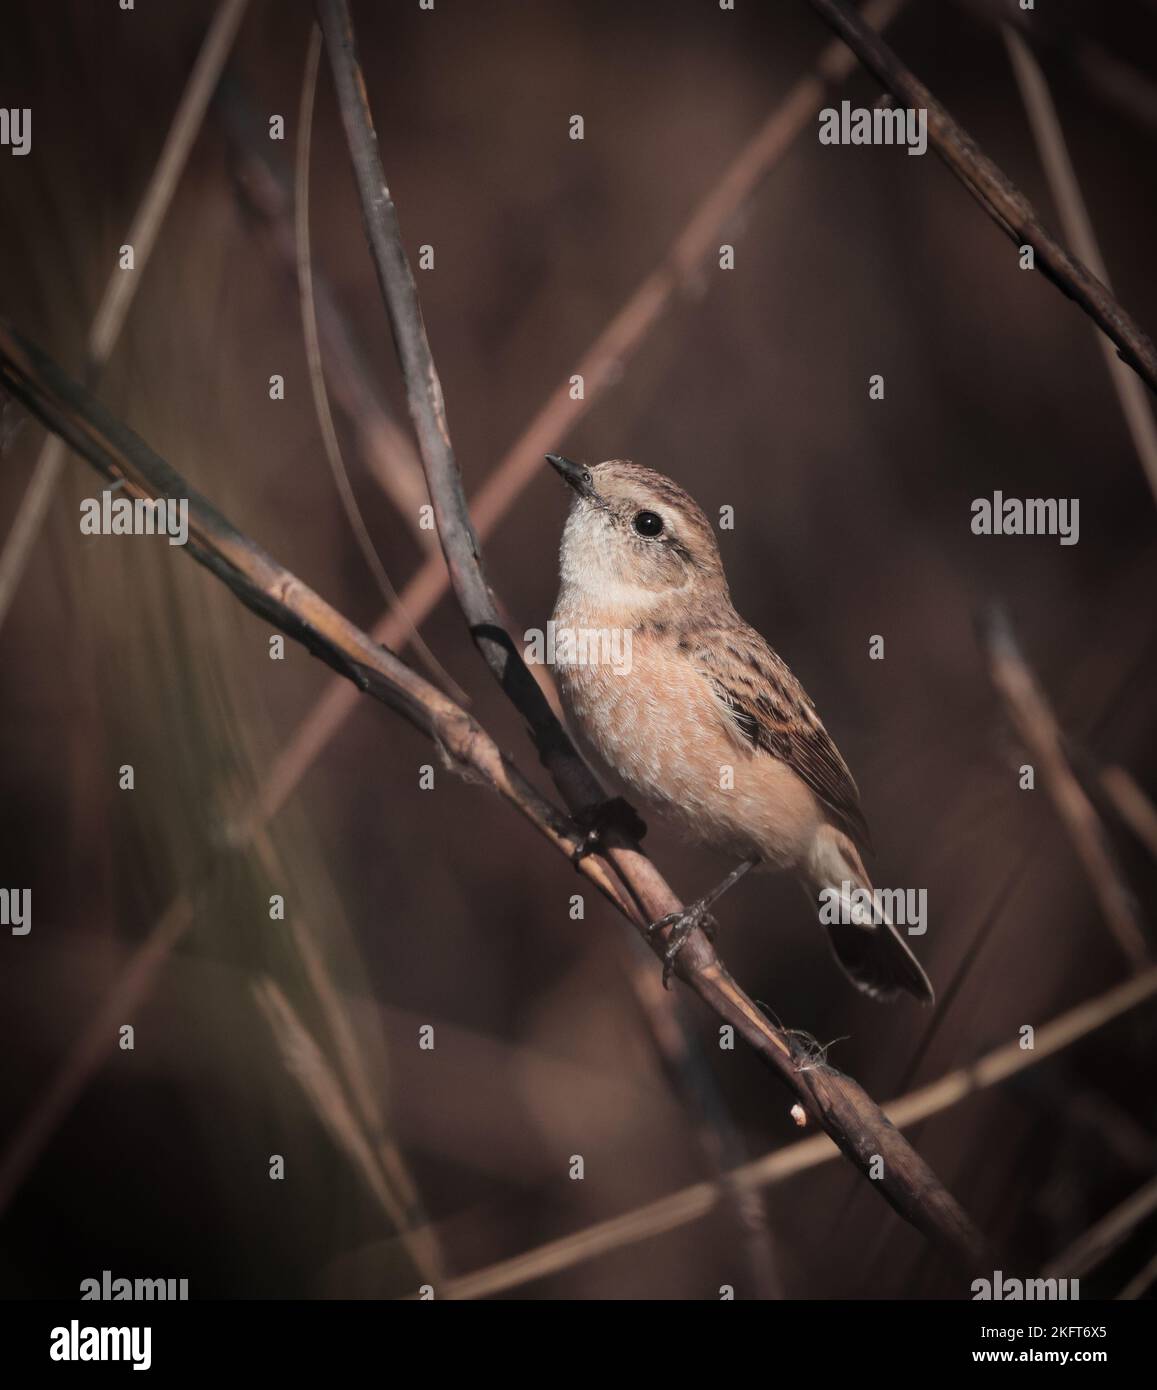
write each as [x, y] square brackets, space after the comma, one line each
[992, 188]
[839, 1105]
[121, 286]
[1038, 729]
[1078, 227]
[692, 1203]
[325, 422]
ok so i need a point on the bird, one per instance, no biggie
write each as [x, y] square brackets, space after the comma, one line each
[706, 724]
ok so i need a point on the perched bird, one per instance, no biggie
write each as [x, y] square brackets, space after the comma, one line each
[705, 721]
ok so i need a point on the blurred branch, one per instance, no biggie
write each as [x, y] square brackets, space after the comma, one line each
[95, 1044]
[992, 188]
[385, 447]
[307, 1064]
[1096, 1244]
[1118, 83]
[122, 285]
[692, 1203]
[1132, 805]
[1141, 1282]
[1039, 731]
[1078, 227]
[373, 1151]
[842, 1108]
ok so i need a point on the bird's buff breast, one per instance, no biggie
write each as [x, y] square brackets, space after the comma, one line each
[660, 728]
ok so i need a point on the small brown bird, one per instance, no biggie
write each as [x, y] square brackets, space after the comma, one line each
[702, 719]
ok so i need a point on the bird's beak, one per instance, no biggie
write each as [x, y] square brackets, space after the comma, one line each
[574, 473]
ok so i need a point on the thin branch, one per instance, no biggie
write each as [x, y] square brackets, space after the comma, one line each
[309, 327]
[994, 190]
[122, 285]
[694, 1202]
[1078, 227]
[840, 1106]
[1096, 1244]
[1038, 729]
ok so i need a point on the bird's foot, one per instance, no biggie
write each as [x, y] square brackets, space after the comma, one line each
[596, 821]
[682, 924]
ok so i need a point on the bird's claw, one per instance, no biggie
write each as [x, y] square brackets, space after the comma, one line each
[596, 821]
[681, 925]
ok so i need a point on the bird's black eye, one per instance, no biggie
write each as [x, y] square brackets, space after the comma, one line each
[648, 523]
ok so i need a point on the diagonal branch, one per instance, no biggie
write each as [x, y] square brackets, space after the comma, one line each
[841, 1107]
[838, 1103]
[994, 190]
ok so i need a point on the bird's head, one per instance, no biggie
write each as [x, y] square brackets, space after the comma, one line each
[635, 542]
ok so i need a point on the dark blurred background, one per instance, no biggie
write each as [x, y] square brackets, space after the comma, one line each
[438, 907]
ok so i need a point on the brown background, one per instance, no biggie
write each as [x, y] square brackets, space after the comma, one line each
[852, 519]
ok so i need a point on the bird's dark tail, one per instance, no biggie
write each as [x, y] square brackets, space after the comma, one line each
[870, 950]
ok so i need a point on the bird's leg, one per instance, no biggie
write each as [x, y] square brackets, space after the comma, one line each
[697, 915]
[595, 822]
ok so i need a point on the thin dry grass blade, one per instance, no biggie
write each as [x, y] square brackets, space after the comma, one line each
[1078, 228]
[120, 289]
[1037, 727]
